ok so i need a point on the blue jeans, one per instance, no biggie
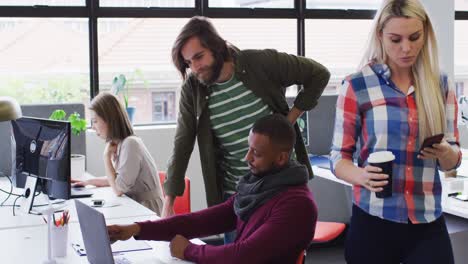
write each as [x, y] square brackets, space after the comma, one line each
[229, 237]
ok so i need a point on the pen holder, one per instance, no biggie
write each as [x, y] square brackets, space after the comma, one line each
[59, 240]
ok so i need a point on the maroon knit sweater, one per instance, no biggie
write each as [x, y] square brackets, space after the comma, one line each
[275, 233]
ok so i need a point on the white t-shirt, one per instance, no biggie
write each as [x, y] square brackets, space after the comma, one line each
[137, 175]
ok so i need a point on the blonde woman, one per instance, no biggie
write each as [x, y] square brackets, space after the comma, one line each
[130, 169]
[397, 99]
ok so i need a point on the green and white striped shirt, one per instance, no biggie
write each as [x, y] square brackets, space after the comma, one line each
[233, 110]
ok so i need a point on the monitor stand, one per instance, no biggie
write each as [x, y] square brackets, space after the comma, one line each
[29, 191]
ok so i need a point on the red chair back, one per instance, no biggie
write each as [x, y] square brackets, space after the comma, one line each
[327, 231]
[301, 258]
[181, 203]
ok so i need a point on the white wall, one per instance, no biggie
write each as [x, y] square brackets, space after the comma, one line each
[159, 141]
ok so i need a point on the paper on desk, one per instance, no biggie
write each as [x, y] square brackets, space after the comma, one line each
[107, 203]
[118, 246]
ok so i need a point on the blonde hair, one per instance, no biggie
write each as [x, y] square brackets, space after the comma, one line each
[426, 73]
[108, 107]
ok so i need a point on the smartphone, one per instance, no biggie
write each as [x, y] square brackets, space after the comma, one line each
[97, 202]
[428, 142]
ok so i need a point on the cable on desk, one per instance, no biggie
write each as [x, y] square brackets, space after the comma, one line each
[57, 202]
[10, 193]
[14, 204]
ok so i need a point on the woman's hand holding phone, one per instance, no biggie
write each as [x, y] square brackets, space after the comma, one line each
[428, 142]
[434, 147]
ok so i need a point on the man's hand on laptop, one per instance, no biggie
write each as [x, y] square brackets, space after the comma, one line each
[122, 232]
[178, 245]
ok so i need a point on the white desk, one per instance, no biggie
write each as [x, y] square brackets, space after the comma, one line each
[125, 207]
[23, 238]
[29, 245]
[330, 190]
[449, 205]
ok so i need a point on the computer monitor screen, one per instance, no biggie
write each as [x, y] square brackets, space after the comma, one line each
[319, 125]
[41, 148]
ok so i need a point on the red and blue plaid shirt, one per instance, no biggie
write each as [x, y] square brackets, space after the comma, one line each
[373, 115]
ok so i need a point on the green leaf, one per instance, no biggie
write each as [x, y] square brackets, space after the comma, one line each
[78, 124]
[118, 84]
[58, 114]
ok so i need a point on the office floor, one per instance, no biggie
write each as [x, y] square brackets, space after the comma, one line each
[326, 255]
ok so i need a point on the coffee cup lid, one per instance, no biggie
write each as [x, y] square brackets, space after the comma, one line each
[380, 156]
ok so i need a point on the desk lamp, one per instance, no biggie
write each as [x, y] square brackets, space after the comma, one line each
[9, 109]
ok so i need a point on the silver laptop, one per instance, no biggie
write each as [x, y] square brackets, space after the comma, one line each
[95, 237]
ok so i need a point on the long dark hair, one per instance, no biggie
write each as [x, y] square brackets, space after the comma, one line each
[203, 29]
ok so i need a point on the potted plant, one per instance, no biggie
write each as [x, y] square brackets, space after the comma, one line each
[122, 85]
[78, 125]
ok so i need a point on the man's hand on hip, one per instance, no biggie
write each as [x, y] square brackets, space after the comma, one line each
[168, 207]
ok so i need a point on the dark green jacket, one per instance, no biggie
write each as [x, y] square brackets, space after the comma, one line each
[267, 73]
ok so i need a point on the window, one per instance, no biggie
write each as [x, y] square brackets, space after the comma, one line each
[141, 50]
[461, 55]
[44, 60]
[259, 33]
[43, 2]
[253, 3]
[461, 5]
[164, 107]
[147, 3]
[337, 44]
[343, 4]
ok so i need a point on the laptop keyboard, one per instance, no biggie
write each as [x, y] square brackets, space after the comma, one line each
[122, 260]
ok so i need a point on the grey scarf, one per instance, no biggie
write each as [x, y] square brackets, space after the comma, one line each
[254, 191]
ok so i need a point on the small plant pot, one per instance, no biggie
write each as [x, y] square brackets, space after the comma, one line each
[131, 113]
[77, 166]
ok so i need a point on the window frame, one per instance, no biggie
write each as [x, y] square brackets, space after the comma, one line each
[92, 11]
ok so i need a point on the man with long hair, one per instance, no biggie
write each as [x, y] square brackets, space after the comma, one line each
[224, 91]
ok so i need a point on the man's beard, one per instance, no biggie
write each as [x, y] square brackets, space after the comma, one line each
[271, 170]
[215, 70]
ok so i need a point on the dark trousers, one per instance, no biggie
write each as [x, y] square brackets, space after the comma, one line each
[373, 240]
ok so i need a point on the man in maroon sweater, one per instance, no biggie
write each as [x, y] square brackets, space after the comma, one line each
[273, 211]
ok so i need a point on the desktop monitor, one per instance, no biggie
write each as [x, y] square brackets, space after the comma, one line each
[319, 125]
[41, 150]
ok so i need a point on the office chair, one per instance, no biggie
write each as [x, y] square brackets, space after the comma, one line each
[301, 258]
[327, 231]
[181, 203]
